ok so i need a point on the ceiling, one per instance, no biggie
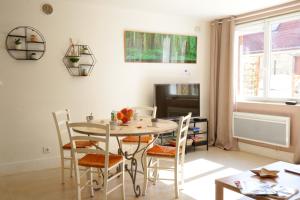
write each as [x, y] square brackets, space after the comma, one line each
[204, 9]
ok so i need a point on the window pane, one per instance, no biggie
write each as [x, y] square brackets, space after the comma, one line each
[251, 61]
[285, 64]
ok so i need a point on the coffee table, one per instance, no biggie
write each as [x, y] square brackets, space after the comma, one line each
[284, 178]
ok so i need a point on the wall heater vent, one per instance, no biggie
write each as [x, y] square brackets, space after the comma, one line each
[268, 129]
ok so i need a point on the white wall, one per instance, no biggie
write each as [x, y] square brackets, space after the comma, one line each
[31, 90]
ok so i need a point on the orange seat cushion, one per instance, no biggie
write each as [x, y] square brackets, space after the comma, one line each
[97, 160]
[135, 139]
[80, 144]
[162, 151]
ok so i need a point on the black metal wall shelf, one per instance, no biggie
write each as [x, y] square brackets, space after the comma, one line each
[86, 60]
[25, 50]
[32, 43]
[20, 36]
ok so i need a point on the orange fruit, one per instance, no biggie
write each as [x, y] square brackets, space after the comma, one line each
[124, 111]
[120, 116]
[129, 113]
[124, 119]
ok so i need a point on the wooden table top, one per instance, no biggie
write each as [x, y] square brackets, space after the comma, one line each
[134, 128]
[284, 178]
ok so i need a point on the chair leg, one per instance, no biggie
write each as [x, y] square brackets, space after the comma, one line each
[123, 180]
[78, 192]
[78, 189]
[105, 184]
[119, 153]
[182, 174]
[156, 171]
[145, 175]
[176, 180]
[71, 164]
[62, 160]
[91, 181]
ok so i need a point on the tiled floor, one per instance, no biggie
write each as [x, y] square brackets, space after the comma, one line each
[201, 169]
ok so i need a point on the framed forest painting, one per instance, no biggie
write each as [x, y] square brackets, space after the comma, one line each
[159, 48]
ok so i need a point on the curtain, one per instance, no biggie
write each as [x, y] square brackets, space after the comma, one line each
[221, 84]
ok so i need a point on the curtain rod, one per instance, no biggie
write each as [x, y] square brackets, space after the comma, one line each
[261, 12]
[268, 10]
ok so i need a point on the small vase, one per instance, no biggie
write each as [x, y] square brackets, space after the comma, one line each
[85, 72]
[33, 38]
[18, 46]
[75, 64]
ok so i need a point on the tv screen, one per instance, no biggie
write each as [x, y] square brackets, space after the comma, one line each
[174, 100]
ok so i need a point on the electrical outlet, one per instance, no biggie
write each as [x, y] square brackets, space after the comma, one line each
[46, 150]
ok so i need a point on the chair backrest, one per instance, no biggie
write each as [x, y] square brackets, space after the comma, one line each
[104, 140]
[183, 128]
[146, 110]
[60, 119]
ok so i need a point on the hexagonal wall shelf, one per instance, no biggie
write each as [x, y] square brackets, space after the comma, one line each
[79, 60]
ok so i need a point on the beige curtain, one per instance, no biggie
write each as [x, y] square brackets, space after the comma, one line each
[221, 84]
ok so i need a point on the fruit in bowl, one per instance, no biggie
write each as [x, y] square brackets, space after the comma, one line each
[125, 115]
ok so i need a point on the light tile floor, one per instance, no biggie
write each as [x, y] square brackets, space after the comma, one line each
[201, 169]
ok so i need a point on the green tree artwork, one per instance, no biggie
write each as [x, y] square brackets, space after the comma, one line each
[160, 48]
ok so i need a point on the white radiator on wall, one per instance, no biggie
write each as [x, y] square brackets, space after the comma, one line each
[268, 129]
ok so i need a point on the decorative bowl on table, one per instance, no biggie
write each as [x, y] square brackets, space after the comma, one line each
[265, 173]
[125, 115]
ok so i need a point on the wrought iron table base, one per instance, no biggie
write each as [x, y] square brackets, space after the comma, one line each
[133, 168]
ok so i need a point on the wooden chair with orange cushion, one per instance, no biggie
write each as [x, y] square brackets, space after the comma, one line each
[60, 119]
[95, 158]
[142, 112]
[168, 153]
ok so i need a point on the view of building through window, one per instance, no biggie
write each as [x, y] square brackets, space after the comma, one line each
[269, 59]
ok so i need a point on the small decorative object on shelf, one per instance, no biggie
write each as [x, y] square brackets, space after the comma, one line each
[18, 44]
[33, 56]
[25, 43]
[84, 50]
[79, 59]
[33, 38]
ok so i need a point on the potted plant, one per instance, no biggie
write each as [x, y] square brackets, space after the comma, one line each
[33, 56]
[84, 49]
[74, 61]
[18, 43]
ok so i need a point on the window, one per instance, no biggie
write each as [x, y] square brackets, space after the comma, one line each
[267, 56]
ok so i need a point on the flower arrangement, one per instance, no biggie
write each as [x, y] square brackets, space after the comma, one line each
[125, 115]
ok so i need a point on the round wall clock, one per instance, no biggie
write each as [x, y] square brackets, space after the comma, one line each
[47, 9]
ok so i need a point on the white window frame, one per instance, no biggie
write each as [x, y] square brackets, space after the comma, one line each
[266, 23]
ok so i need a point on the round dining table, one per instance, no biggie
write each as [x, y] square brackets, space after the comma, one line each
[140, 127]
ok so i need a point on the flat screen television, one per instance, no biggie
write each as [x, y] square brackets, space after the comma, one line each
[175, 100]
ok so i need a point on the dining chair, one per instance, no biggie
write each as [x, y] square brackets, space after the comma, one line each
[173, 154]
[60, 119]
[95, 158]
[145, 139]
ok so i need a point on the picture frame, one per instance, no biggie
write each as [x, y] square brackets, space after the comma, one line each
[147, 47]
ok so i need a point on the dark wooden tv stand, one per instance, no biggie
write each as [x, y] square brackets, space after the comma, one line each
[194, 133]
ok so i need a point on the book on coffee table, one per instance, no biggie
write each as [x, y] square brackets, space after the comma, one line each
[260, 188]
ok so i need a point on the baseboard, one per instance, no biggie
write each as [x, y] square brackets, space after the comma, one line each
[29, 165]
[263, 151]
